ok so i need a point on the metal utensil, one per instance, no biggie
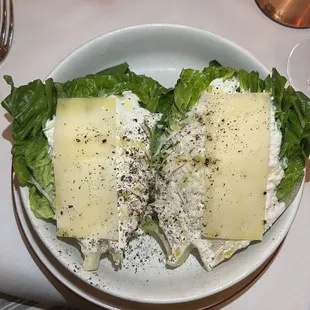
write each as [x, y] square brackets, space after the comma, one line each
[291, 13]
[7, 28]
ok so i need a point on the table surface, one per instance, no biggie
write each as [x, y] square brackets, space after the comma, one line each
[46, 31]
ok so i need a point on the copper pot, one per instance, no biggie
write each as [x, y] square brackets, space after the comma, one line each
[292, 13]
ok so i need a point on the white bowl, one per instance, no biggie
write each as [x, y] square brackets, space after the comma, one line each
[160, 51]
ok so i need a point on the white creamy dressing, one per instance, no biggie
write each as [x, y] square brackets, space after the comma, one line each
[228, 86]
[133, 173]
[180, 203]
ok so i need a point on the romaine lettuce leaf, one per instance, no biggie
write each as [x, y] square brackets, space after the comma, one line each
[149, 91]
[190, 86]
[33, 167]
[30, 105]
[33, 104]
[39, 205]
[292, 111]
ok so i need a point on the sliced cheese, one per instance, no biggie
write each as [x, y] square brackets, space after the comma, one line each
[237, 152]
[84, 168]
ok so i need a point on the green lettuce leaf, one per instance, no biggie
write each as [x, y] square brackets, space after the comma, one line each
[33, 168]
[293, 175]
[39, 205]
[150, 92]
[293, 113]
[191, 84]
[30, 105]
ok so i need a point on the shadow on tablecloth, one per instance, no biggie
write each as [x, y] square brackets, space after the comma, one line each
[9, 303]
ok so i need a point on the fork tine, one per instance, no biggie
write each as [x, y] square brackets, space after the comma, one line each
[11, 26]
[4, 22]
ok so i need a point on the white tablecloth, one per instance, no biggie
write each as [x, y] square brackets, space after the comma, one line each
[46, 31]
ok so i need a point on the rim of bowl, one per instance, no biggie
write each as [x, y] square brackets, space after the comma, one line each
[156, 25]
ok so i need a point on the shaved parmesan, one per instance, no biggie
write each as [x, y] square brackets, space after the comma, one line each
[237, 152]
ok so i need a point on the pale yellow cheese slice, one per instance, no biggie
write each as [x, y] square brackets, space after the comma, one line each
[237, 149]
[84, 168]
